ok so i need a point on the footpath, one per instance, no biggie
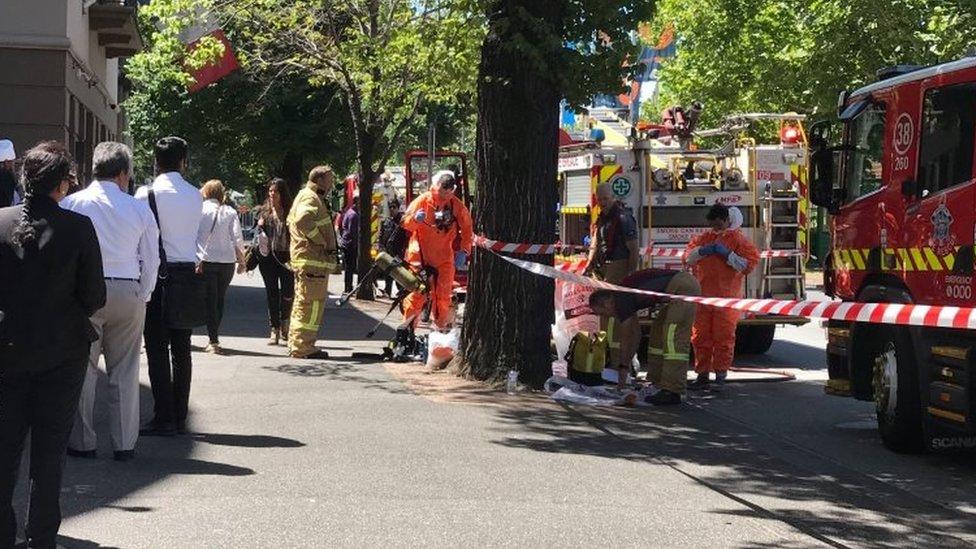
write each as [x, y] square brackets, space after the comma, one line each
[350, 452]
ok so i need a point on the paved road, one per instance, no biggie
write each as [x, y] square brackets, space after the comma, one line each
[341, 453]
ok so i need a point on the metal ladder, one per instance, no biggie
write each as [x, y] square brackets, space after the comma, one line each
[783, 277]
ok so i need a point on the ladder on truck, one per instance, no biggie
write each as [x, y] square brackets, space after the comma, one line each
[783, 275]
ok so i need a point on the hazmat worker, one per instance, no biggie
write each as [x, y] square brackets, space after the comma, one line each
[440, 242]
[614, 251]
[720, 259]
[314, 256]
[670, 330]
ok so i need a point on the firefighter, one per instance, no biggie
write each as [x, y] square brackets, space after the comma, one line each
[314, 256]
[670, 331]
[613, 251]
[720, 259]
[440, 241]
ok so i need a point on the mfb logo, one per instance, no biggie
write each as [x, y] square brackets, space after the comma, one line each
[729, 199]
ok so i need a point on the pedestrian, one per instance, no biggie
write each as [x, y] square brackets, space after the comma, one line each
[614, 251]
[221, 249]
[178, 208]
[670, 329]
[349, 240]
[8, 181]
[393, 238]
[51, 281]
[314, 256]
[129, 240]
[720, 259]
[441, 237]
[279, 281]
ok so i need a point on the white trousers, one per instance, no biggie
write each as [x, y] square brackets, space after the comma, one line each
[119, 325]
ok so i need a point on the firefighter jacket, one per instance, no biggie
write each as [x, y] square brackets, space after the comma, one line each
[312, 229]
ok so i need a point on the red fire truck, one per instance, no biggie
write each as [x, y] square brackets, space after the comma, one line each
[897, 176]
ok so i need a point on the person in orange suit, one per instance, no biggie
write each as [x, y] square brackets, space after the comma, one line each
[440, 241]
[720, 259]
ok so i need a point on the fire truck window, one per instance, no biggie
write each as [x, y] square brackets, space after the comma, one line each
[864, 163]
[948, 122]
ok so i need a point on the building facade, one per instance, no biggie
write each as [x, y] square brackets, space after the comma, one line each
[59, 71]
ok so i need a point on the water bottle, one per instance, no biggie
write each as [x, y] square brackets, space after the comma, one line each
[511, 384]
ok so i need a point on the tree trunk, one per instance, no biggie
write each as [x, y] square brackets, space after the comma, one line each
[291, 170]
[509, 311]
[366, 176]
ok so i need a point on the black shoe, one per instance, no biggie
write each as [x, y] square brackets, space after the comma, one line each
[83, 454]
[181, 428]
[317, 355]
[125, 455]
[158, 430]
[700, 383]
[664, 398]
[719, 383]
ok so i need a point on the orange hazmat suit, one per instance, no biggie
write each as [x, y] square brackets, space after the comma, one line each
[444, 228]
[713, 335]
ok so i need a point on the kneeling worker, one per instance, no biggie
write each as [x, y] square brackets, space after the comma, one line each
[670, 333]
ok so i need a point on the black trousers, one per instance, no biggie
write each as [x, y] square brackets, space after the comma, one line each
[45, 403]
[217, 277]
[350, 258]
[279, 284]
[170, 381]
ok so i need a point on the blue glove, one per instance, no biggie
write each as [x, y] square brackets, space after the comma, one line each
[460, 259]
[420, 216]
[721, 249]
[707, 249]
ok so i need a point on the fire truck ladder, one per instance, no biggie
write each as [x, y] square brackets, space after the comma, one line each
[783, 277]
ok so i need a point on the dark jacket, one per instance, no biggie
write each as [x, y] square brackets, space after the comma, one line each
[349, 230]
[48, 289]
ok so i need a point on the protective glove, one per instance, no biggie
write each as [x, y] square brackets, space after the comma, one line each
[460, 259]
[707, 249]
[721, 249]
[420, 216]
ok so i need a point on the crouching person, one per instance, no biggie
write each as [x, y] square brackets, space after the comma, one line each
[670, 332]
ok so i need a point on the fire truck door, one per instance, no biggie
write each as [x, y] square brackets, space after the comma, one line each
[939, 249]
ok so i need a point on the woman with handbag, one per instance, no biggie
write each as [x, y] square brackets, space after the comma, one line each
[222, 248]
[273, 257]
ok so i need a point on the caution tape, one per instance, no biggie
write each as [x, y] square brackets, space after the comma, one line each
[879, 313]
[557, 248]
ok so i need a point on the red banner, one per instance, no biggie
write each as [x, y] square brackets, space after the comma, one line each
[216, 70]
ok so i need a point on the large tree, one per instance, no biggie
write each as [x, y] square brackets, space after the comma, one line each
[781, 55]
[393, 60]
[535, 53]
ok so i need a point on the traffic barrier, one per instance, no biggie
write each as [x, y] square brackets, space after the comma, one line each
[881, 313]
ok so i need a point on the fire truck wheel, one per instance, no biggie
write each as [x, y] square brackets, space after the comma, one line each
[895, 383]
[754, 340]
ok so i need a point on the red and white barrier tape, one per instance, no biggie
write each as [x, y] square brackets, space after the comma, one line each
[882, 313]
[649, 251]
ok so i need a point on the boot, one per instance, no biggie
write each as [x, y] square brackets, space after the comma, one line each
[700, 383]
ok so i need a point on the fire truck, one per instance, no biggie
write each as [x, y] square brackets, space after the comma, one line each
[896, 174]
[669, 188]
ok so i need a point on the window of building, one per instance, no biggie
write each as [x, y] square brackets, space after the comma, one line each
[948, 122]
[864, 160]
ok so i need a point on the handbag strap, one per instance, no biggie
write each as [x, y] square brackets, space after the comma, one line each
[163, 266]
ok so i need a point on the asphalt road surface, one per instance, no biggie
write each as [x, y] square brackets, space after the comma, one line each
[340, 453]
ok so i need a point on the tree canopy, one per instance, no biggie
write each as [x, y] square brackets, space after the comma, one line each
[780, 55]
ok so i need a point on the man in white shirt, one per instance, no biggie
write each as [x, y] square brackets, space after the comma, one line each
[179, 208]
[128, 237]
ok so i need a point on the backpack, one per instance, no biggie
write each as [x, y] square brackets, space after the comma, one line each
[588, 355]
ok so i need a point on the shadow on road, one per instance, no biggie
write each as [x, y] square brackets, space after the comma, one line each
[770, 478]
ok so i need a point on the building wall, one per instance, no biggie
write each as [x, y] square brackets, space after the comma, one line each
[55, 82]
